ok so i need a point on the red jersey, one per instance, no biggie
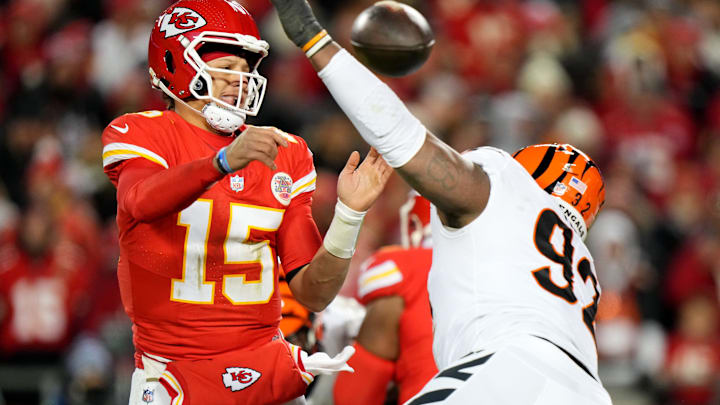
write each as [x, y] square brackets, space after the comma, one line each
[404, 272]
[42, 298]
[203, 281]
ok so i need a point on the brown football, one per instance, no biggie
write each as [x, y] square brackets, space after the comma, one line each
[392, 38]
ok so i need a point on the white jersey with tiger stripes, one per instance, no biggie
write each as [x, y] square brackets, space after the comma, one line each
[517, 269]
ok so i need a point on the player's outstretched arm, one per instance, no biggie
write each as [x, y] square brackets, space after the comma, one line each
[458, 188]
[359, 186]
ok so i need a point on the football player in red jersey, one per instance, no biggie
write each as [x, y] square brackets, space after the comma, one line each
[395, 339]
[208, 208]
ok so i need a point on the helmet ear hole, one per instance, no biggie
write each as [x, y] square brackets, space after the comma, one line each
[200, 86]
[169, 62]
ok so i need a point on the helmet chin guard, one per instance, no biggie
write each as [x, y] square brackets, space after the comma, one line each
[221, 118]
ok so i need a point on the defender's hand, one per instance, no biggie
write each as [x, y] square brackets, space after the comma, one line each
[360, 186]
[256, 143]
[298, 20]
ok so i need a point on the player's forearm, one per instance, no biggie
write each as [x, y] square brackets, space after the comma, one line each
[318, 283]
[167, 191]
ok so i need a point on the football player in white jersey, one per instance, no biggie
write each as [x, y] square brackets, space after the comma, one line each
[512, 287]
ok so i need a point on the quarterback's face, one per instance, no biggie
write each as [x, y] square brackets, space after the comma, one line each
[228, 86]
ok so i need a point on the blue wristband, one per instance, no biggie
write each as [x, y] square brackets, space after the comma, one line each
[222, 161]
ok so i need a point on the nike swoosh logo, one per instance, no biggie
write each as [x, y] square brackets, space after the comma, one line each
[121, 130]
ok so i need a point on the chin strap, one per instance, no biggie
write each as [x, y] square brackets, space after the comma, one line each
[216, 116]
[222, 119]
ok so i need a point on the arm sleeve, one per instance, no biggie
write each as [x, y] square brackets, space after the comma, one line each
[298, 237]
[147, 191]
[368, 384]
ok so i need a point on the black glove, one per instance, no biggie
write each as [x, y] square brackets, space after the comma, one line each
[298, 20]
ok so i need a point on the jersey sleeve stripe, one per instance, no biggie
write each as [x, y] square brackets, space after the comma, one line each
[305, 184]
[383, 275]
[116, 152]
[289, 137]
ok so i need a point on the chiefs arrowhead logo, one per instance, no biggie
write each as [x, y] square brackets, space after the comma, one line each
[239, 378]
[180, 20]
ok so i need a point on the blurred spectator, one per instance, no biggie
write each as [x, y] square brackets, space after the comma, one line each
[44, 278]
[24, 26]
[645, 126]
[119, 42]
[694, 269]
[691, 372]
[630, 342]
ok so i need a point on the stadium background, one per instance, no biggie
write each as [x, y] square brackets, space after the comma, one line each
[633, 83]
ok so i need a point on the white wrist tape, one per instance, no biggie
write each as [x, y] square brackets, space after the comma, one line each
[342, 234]
[374, 109]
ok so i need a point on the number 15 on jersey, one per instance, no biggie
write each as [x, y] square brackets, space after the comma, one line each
[193, 287]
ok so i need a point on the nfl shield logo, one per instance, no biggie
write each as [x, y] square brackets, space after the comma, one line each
[148, 396]
[237, 183]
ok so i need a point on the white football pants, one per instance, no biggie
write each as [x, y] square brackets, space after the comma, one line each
[528, 371]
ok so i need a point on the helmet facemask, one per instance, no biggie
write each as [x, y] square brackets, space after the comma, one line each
[222, 115]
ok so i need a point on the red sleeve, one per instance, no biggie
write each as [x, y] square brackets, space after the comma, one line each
[368, 384]
[140, 182]
[380, 276]
[298, 237]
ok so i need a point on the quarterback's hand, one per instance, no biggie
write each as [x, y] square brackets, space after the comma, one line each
[321, 363]
[359, 186]
[256, 143]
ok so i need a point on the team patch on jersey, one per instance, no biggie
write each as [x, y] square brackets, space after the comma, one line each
[281, 187]
[239, 378]
[237, 183]
[180, 20]
[148, 396]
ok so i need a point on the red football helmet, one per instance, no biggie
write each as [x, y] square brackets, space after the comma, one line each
[568, 174]
[415, 221]
[190, 28]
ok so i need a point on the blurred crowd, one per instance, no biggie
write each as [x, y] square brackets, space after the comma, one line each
[633, 83]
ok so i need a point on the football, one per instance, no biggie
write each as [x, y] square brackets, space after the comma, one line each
[392, 38]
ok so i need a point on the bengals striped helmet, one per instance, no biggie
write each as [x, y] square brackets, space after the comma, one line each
[568, 174]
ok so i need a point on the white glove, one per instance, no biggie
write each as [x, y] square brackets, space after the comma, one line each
[321, 363]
